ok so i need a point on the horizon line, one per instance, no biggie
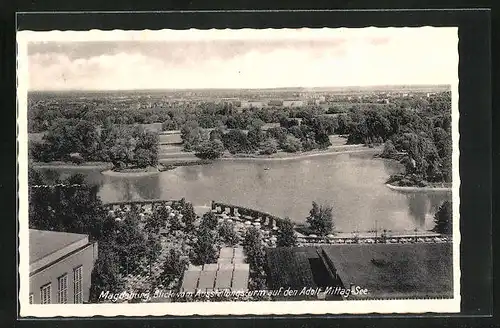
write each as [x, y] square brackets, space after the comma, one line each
[245, 88]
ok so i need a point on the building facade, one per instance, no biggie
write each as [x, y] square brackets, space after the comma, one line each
[60, 267]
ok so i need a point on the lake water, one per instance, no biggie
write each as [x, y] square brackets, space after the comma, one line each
[352, 183]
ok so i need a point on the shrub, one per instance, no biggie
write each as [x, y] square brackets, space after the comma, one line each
[76, 158]
[228, 234]
[291, 145]
[209, 149]
[389, 150]
[270, 146]
[320, 218]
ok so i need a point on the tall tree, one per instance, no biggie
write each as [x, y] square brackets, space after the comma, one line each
[443, 219]
[105, 275]
[191, 135]
[321, 218]
[228, 233]
[269, 146]
[254, 251]
[146, 148]
[205, 247]
[236, 141]
[130, 244]
[286, 234]
[291, 144]
[389, 150]
[74, 207]
[255, 137]
[188, 216]
[209, 149]
[209, 221]
[174, 266]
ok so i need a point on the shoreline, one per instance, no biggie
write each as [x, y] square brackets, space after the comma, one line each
[181, 161]
[418, 189]
[63, 165]
[300, 156]
[173, 163]
[111, 173]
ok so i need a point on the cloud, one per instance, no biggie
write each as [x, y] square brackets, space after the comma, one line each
[352, 58]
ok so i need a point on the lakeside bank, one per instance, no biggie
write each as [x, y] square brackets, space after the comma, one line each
[70, 165]
[134, 172]
[182, 160]
[282, 156]
[418, 189]
[173, 162]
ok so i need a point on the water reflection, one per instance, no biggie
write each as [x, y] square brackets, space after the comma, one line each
[418, 207]
[353, 185]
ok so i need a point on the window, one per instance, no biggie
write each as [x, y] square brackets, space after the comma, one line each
[62, 289]
[45, 292]
[31, 298]
[77, 285]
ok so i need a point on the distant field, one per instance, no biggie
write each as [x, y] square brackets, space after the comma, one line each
[169, 149]
[170, 138]
[337, 140]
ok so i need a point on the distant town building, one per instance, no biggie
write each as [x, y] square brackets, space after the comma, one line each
[60, 267]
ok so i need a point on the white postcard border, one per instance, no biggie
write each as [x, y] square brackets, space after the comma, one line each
[217, 308]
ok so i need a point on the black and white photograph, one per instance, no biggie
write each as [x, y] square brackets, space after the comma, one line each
[238, 171]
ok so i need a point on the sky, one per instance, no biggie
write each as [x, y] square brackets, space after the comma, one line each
[126, 60]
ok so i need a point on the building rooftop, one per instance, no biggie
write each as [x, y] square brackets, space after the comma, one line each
[227, 276]
[289, 267]
[224, 260]
[223, 279]
[387, 271]
[207, 280]
[43, 243]
[190, 281]
[240, 279]
[395, 270]
[226, 266]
